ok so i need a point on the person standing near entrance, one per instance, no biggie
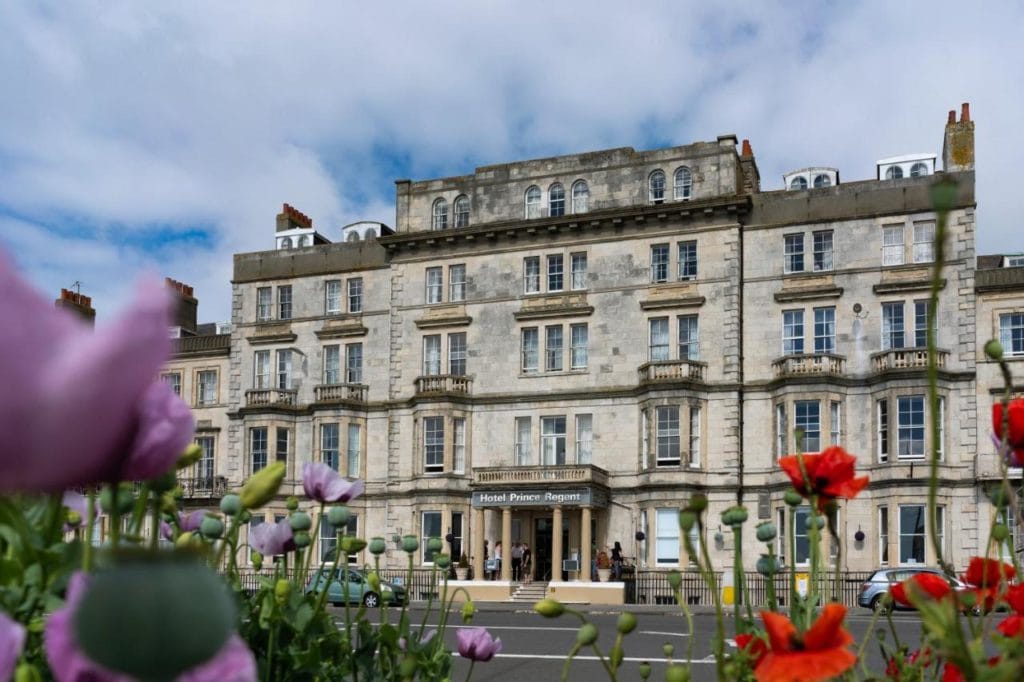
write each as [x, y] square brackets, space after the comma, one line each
[617, 560]
[497, 560]
[527, 565]
[517, 561]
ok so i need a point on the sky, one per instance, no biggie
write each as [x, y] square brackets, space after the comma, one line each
[161, 138]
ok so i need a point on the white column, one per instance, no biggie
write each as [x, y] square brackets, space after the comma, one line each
[586, 542]
[556, 545]
[506, 543]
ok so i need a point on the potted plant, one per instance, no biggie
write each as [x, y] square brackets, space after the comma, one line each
[462, 568]
[604, 566]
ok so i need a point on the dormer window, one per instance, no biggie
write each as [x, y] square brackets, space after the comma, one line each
[286, 243]
[893, 173]
[822, 180]
[533, 202]
[580, 196]
[440, 221]
[461, 211]
[918, 170]
[799, 182]
[683, 183]
[556, 200]
[656, 187]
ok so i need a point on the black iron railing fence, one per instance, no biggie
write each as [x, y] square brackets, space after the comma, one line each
[652, 587]
[419, 586]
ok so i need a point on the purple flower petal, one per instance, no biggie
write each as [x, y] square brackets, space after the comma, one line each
[477, 644]
[233, 663]
[90, 383]
[190, 522]
[324, 484]
[270, 539]
[12, 641]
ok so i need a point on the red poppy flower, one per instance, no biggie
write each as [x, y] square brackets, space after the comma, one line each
[929, 585]
[821, 653]
[1012, 626]
[753, 646]
[984, 572]
[1015, 598]
[829, 475]
[1015, 437]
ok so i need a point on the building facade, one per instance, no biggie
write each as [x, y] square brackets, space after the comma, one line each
[562, 351]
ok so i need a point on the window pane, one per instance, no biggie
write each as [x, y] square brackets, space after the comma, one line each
[354, 363]
[461, 212]
[457, 283]
[579, 340]
[824, 330]
[355, 295]
[666, 546]
[924, 242]
[657, 186]
[552, 440]
[531, 274]
[892, 326]
[579, 271]
[553, 348]
[910, 428]
[332, 365]
[332, 303]
[683, 183]
[892, 245]
[822, 250]
[689, 338]
[555, 273]
[912, 535]
[807, 418]
[658, 349]
[1011, 333]
[433, 444]
[792, 332]
[432, 355]
[659, 262]
[533, 203]
[524, 455]
[440, 219]
[284, 302]
[457, 354]
[794, 253]
[580, 197]
[435, 282]
[667, 435]
[431, 529]
[687, 260]
[258, 448]
[459, 443]
[556, 201]
[329, 445]
[354, 446]
[584, 438]
[530, 350]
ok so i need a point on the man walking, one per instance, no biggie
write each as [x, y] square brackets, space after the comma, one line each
[517, 561]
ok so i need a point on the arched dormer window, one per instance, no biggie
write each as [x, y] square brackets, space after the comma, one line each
[353, 236]
[799, 182]
[580, 196]
[822, 180]
[461, 211]
[304, 240]
[533, 202]
[656, 186]
[370, 234]
[286, 243]
[683, 183]
[918, 170]
[893, 173]
[440, 221]
[556, 200]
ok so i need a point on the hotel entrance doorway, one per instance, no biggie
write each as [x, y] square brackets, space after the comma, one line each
[543, 533]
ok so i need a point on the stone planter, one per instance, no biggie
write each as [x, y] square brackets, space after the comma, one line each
[461, 573]
[604, 574]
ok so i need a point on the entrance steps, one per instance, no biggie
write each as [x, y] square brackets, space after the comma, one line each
[530, 593]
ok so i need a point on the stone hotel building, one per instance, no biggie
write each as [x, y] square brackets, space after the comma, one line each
[562, 351]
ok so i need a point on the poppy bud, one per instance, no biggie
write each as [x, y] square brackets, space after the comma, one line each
[1000, 532]
[549, 608]
[73, 518]
[167, 504]
[351, 544]
[125, 498]
[184, 540]
[300, 521]
[818, 521]
[687, 519]
[766, 531]
[677, 673]
[434, 545]
[668, 650]
[1000, 498]
[410, 544]
[338, 516]
[165, 483]
[262, 486]
[698, 503]
[27, 672]
[244, 516]
[292, 503]
[377, 546]
[645, 670]
[230, 504]
[211, 527]
[626, 623]
[468, 611]
[675, 579]
[193, 453]
[587, 634]
[374, 581]
[256, 559]
[407, 668]
[443, 561]
[793, 498]
[282, 588]
[768, 565]
[301, 539]
[994, 350]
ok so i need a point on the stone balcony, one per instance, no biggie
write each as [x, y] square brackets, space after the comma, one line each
[817, 364]
[204, 487]
[671, 370]
[440, 384]
[906, 358]
[340, 393]
[271, 397]
[558, 474]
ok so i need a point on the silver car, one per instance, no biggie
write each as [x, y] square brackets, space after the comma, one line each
[876, 587]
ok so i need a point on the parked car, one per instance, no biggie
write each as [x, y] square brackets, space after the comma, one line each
[876, 587]
[359, 589]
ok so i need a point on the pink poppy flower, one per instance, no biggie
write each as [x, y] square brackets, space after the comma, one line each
[271, 539]
[476, 644]
[87, 408]
[324, 484]
[233, 663]
[12, 640]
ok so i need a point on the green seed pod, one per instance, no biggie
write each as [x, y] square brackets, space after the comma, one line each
[1000, 532]
[262, 486]
[468, 611]
[675, 579]
[72, 518]
[244, 516]
[282, 589]
[407, 668]
[185, 622]
[793, 498]
[374, 579]
[645, 670]
[766, 531]
[739, 515]
[668, 650]
[292, 503]
[168, 505]
[211, 527]
[815, 520]
[231, 504]
[768, 565]
[352, 545]
[165, 483]
[300, 521]
[443, 561]
[193, 453]
[377, 546]
[184, 540]
[587, 634]
[549, 608]
[999, 496]
[434, 545]
[626, 623]
[687, 519]
[698, 503]
[994, 350]
[410, 544]
[125, 498]
[338, 516]
[301, 539]
[677, 673]
[27, 672]
[256, 559]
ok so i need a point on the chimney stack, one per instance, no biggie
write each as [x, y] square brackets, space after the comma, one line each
[750, 177]
[78, 304]
[291, 218]
[958, 144]
[187, 312]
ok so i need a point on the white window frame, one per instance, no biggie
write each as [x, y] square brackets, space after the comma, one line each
[579, 339]
[439, 219]
[553, 440]
[781, 431]
[173, 379]
[688, 332]
[666, 543]
[206, 388]
[556, 200]
[284, 369]
[924, 241]
[656, 186]
[883, 535]
[912, 535]
[459, 445]
[259, 448]
[332, 297]
[809, 421]
[524, 441]
[262, 376]
[882, 428]
[432, 355]
[682, 181]
[353, 449]
[835, 420]
[793, 253]
[556, 272]
[824, 330]
[658, 339]
[355, 294]
[456, 283]
[554, 348]
[580, 196]
[578, 267]
[433, 444]
[332, 365]
[434, 280]
[892, 245]
[823, 253]
[695, 431]
[1011, 333]
[793, 332]
[457, 354]
[667, 436]
[330, 445]
[264, 304]
[532, 199]
[424, 536]
[530, 350]
[284, 302]
[531, 275]
[354, 363]
[584, 438]
[909, 422]
[461, 210]
[645, 438]
[687, 263]
[893, 325]
[661, 255]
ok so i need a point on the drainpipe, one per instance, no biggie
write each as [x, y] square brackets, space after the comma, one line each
[740, 392]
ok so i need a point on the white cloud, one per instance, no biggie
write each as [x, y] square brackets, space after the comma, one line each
[120, 118]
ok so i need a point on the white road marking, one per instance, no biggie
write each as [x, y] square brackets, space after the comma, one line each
[662, 634]
[561, 657]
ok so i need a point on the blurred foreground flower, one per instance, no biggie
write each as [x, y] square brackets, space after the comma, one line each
[476, 644]
[921, 585]
[829, 475]
[324, 484]
[12, 639]
[1015, 430]
[821, 653]
[116, 422]
[270, 539]
[234, 662]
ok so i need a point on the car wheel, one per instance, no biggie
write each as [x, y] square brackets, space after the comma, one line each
[879, 605]
[371, 600]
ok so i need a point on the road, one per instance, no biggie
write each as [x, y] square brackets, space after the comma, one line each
[535, 648]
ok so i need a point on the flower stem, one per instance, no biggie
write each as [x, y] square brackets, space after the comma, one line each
[90, 515]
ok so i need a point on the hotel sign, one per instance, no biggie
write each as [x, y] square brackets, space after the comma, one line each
[533, 498]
